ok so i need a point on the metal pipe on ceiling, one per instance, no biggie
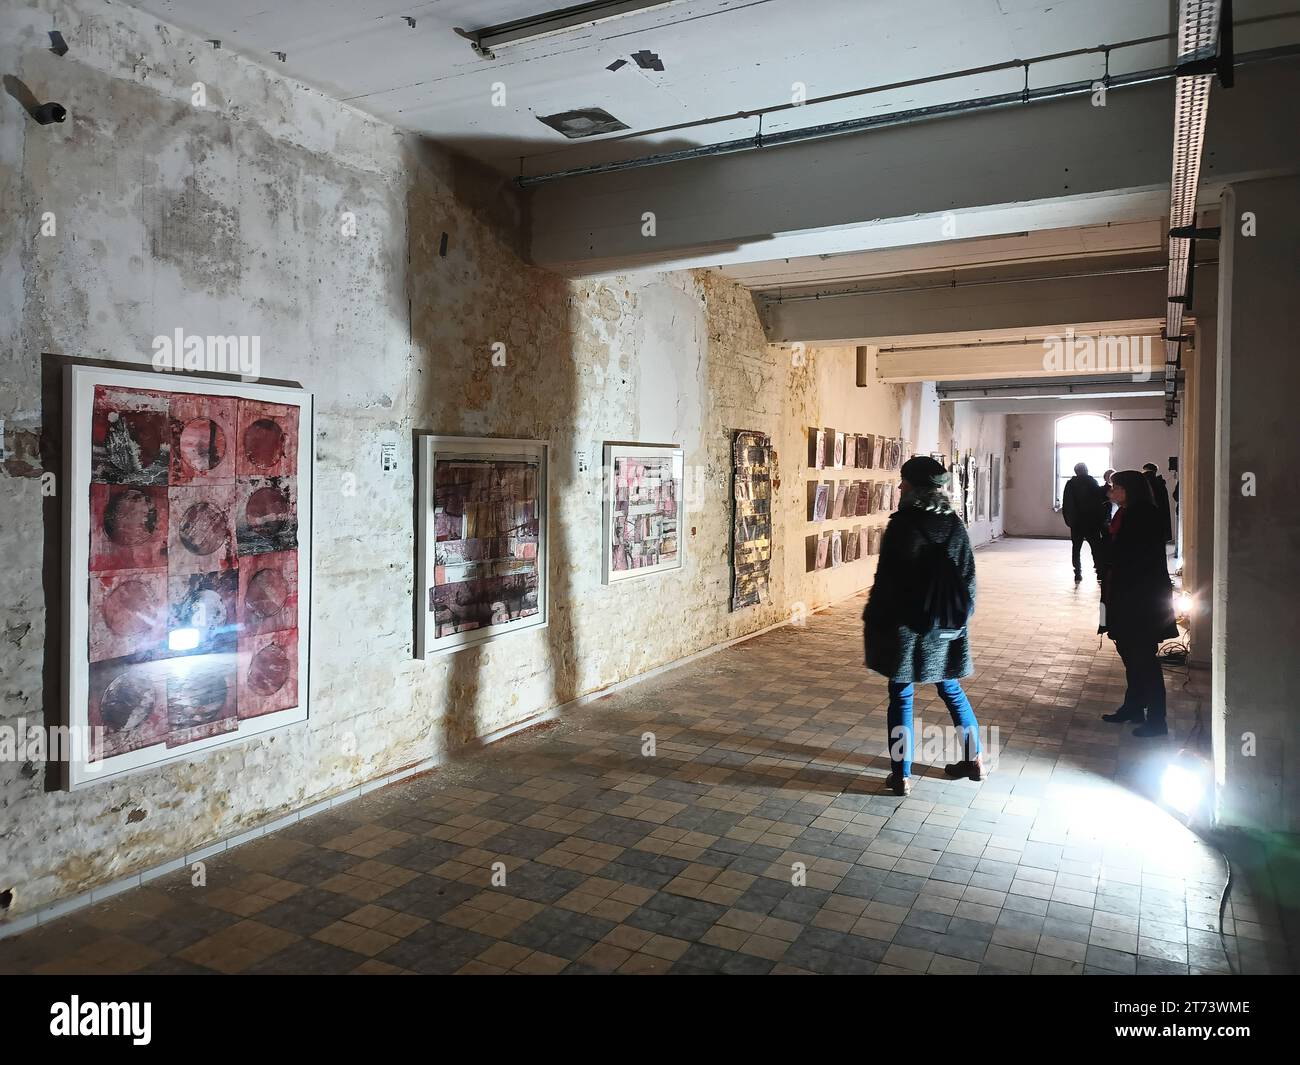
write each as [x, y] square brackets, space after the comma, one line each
[1108, 272]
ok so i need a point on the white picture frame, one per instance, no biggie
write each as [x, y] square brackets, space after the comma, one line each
[614, 453]
[432, 451]
[83, 675]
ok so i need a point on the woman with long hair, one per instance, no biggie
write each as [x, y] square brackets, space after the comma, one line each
[925, 555]
[1137, 601]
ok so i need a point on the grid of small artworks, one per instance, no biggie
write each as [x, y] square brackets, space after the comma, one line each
[832, 498]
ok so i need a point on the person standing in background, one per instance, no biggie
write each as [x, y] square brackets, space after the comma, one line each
[1137, 602]
[1160, 496]
[1084, 507]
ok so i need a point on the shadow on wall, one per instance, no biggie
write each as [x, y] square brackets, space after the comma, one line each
[469, 291]
[496, 199]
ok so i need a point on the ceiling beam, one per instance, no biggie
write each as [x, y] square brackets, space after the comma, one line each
[1045, 165]
[973, 311]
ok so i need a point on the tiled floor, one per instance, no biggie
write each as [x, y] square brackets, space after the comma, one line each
[756, 838]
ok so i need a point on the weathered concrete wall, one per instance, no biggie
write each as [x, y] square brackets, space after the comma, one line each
[230, 218]
[1257, 512]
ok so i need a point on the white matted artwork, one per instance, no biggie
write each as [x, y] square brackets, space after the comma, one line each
[641, 510]
[187, 565]
[481, 539]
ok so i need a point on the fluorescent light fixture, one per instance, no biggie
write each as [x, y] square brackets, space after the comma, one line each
[182, 639]
[549, 23]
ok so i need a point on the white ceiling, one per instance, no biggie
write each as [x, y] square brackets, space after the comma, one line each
[720, 57]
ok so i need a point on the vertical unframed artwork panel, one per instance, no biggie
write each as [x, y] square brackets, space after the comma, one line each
[751, 543]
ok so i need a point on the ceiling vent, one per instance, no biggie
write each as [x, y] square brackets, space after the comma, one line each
[585, 122]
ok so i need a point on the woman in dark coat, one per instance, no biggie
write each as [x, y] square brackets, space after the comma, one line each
[1137, 601]
[900, 643]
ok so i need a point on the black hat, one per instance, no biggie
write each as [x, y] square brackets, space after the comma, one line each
[924, 472]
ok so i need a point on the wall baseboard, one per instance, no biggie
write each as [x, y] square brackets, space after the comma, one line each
[64, 906]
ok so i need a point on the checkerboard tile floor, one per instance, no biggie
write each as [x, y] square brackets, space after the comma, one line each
[756, 839]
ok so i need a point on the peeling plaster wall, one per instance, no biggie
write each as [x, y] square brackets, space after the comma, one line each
[228, 218]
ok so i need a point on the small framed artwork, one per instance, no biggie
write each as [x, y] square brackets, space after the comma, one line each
[482, 541]
[187, 565]
[642, 510]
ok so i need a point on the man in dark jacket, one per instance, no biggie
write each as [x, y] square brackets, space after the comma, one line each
[1160, 496]
[1083, 505]
[901, 642]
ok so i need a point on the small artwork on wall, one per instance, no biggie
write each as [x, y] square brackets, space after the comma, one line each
[816, 448]
[482, 540]
[751, 527]
[865, 445]
[188, 510]
[642, 508]
[969, 465]
[837, 548]
[818, 500]
[995, 489]
[839, 451]
[863, 502]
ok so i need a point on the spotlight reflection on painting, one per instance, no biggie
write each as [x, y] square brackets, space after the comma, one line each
[183, 639]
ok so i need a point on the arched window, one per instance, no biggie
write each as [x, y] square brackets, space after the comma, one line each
[1082, 438]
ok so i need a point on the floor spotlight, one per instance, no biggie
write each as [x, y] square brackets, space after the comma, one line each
[1183, 785]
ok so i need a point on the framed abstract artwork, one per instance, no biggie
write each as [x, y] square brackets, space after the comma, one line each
[642, 510]
[188, 565]
[482, 541]
[751, 517]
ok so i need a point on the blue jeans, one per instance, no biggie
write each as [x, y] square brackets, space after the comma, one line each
[900, 722]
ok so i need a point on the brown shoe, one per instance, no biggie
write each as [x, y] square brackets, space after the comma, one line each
[899, 784]
[974, 769]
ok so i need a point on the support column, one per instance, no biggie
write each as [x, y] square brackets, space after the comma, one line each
[1256, 707]
[1196, 481]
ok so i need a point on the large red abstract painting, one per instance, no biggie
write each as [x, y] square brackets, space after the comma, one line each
[187, 615]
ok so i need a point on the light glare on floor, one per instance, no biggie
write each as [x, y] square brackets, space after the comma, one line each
[1181, 788]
